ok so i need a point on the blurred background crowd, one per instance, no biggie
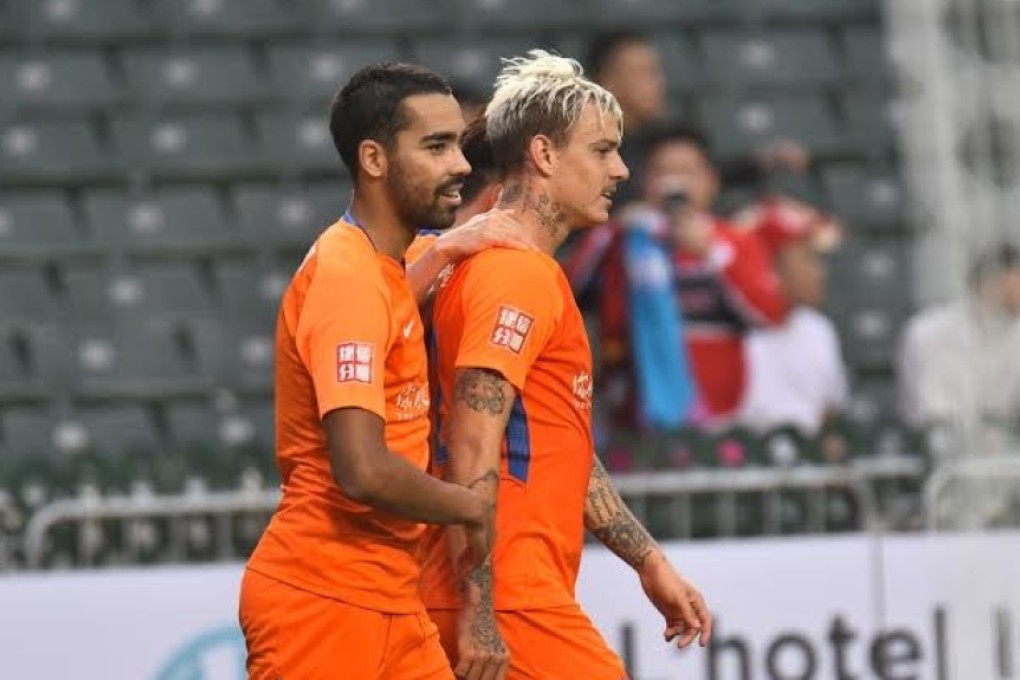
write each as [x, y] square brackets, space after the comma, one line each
[814, 266]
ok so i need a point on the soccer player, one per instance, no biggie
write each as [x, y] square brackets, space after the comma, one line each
[514, 370]
[331, 590]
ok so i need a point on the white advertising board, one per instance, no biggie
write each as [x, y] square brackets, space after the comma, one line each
[926, 607]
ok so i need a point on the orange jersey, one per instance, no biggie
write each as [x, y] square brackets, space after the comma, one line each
[348, 335]
[512, 311]
[419, 245]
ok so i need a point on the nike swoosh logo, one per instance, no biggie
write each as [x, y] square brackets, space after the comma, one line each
[408, 328]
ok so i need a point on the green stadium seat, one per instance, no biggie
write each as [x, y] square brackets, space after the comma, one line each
[38, 225]
[781, 57]
[653, 13]
[740, 125]
[810, 10]
[865, 198]
[391, 16]
[45, 152]
[85, 20]
[249, 293]
[239, 355]
[164, 222]
[132, 360]
[473, 60]
[867, 55]
[298, 143]
[56, 80]
[224, 442]
[160, 290]
[184, 146]
[236, 19]
[291, 218]
[315, 73]
[680, 61]
[871, 119]
[193, 75]
[33, 303]
[535, 15]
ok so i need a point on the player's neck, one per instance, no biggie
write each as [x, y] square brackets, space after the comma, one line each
[381, 223]
[543, 219]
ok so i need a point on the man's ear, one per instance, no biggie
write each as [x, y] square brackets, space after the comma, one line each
[372, 158]
[542, 154]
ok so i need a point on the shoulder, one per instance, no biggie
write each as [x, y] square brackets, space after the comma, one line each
[342, 252]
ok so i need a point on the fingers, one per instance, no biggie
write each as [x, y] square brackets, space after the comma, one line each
[690, 623]
[483, 667]
[705, 617]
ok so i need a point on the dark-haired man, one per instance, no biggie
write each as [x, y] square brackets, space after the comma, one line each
[331, 590]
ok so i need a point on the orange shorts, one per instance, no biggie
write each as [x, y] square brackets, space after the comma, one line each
[294, 634]
[545, 644]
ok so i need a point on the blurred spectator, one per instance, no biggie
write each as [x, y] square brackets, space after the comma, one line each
[720, 278]
[960, 363]
[628, 64]
[796, 374]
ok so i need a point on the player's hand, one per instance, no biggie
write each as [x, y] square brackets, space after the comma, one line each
[687, 616]
[493, 228]
[481, 535]
[481, 652]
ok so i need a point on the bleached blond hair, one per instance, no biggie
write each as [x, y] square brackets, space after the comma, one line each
[540, 94]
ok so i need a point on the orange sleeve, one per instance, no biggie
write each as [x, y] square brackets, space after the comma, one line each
[418, 246]
[511, 305]
[343, 336]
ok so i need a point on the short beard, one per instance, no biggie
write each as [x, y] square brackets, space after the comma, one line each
[413, 210]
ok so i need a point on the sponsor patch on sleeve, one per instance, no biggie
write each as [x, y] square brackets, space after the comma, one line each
[354, 362]
[511, 329]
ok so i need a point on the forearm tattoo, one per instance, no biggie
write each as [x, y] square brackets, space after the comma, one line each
[490, 477]
[609, 519]
[482, 390]
[484, 630]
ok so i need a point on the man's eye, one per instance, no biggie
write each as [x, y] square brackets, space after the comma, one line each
[436, 147]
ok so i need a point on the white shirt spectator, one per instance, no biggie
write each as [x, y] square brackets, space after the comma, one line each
[795, 373]
[960, 365]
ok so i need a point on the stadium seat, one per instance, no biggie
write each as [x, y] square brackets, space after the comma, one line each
[193, 75]
[15, 381]
[249, 293]
[740, 125]
[33, 302]
[354, 16]
[871, 119]
[38, 225]
[653, 13]
[865, 198]
[867, 56]
[184, 146]
[85, 20]
[160, 223]
[159, 291]
[291, 218]
[238, 356]
[871, 293]
[777, 58]
[297, 143]
[518, 14]
[56, 80]
[813, 10]
[474, 60]
[683, 68]
[236, 19]
[315, 73]
[132, 360]
[223, 443]
[48, 152]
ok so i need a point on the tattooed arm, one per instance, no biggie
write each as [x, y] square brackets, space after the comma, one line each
[478, 416]
[611, 521]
